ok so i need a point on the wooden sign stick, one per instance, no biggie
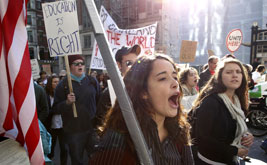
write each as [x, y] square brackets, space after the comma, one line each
[70, 84]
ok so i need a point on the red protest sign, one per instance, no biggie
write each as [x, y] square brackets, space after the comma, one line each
[234, 40]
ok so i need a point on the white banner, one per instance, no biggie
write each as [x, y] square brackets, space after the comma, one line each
[117, 38]
[62, 28]
[35, 69]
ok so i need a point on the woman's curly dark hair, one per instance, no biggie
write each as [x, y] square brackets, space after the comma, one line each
[183, 74]
[136, 82]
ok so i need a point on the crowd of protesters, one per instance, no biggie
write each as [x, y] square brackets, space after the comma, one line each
[186, 117]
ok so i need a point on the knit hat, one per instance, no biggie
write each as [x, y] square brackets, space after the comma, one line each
[74, 57]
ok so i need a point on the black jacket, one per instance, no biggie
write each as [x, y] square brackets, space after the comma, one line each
[204, 78]
[41, 102]
[104, 104]
[114, 149]
[86, 94]
[215, 130]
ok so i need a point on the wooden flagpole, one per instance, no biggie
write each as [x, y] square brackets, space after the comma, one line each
[70, 84]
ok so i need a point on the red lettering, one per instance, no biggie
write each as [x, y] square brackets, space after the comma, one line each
[96, 50]
[128, 41]
[113, 37]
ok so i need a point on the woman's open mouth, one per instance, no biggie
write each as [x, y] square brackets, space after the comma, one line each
[173, 100]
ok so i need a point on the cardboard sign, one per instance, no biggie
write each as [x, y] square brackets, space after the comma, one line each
[211, 53]
[188, 51]
[11, 152]
[234, 40]
[62, 28]
[117, 38]
[35, 69]
[47, 68]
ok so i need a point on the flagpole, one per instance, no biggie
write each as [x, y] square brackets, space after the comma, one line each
[119, 87]
[70, 84]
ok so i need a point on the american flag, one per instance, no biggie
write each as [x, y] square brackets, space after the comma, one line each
[18, 116]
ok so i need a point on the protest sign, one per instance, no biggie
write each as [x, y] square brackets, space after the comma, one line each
[211, 53]
[188, 51]
[234, 40]
[35, 69]
[62, 28]
[117, 38]
[47, 68]
[11, 152]
[62, 31]
[111, 93]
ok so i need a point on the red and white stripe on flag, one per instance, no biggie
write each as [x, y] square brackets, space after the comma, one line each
[18, 116]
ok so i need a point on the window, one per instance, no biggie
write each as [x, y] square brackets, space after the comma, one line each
[149, 7]
[265, 36]
[31, 51]
[29, 5]
[39, 22]
[157, 8]
[30, 36]
[87, 41]
[42, 54]
[29, 19]
[38, 5]
[40, 36]
[85, 19]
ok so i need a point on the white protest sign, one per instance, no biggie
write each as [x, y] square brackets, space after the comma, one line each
[234, 40]
[111, 93]
[62, 28]
[117, 38]
[35, 69]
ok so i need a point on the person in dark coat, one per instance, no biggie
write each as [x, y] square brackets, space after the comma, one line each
[41, 103]
[206, 74]
[154, 90]
[54, 123]
[219, 124]
[78, 131]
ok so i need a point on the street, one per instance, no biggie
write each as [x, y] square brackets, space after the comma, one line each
[256, 152]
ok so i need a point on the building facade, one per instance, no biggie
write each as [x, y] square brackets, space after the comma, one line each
[206, 21]
[37, 41]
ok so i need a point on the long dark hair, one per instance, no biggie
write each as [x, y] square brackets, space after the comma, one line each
[215, 85]
[48, 88]
[136, 82]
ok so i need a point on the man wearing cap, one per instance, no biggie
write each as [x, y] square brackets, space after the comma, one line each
[125, 58]
[77, 131]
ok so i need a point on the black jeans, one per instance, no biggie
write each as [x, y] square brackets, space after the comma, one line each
[79, 142]
[59, 133]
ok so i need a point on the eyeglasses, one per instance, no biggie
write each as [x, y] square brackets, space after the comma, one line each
[78, 63]
[129, 64]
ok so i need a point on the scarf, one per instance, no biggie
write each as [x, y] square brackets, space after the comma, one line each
[187, 92]
[238, 115]
[212, 72]
[79, 79]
